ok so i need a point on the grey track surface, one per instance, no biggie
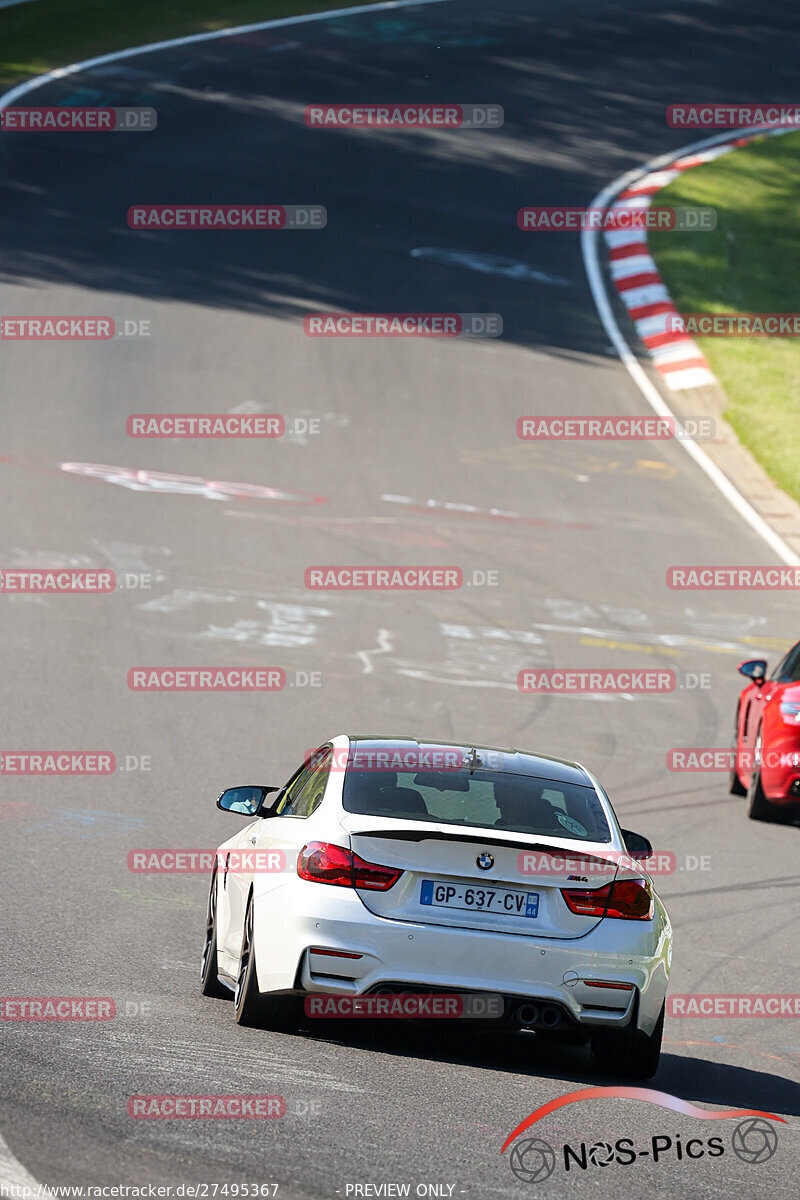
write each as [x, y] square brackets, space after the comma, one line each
[584, 87]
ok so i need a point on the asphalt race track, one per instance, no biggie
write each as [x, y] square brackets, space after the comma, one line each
[416, 448]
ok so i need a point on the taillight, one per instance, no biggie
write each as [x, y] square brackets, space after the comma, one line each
[628, 899]
[790, 712]
[320, 862]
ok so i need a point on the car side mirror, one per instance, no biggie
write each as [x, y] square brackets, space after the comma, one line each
[636, 844]
[754, 668]
[247, 801]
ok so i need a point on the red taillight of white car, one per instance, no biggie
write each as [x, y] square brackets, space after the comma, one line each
[321, 862]
[627, 899]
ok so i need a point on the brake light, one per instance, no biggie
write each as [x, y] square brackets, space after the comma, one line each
[320, 862]
[627, 899]
[790, 712]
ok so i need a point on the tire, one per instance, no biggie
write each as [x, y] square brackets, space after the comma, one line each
[209, 983]
[735, 785]
[629, 1054]
[256, 1009]
[758, 806]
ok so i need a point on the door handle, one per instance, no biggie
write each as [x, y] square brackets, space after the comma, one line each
[253, 841]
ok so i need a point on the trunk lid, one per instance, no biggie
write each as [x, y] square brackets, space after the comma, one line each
[443, 883]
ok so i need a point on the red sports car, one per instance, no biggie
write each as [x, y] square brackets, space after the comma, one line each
[766, 767]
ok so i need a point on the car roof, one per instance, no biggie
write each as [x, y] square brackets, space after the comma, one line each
[513, 762]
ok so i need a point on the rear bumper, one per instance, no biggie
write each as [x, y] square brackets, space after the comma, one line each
[782, 790]
[545, 970]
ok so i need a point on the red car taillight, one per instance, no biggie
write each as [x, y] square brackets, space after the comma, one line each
[628, 899]
[320, 862]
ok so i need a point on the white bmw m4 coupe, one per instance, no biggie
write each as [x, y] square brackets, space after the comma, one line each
[392, 865]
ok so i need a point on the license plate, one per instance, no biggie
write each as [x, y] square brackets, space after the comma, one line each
[482, 899]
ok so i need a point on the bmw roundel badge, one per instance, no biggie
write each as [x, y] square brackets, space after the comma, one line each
[485, 861]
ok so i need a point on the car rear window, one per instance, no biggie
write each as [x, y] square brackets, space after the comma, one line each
[488, 799]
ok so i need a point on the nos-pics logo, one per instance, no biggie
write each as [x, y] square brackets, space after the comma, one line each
[533, 1160]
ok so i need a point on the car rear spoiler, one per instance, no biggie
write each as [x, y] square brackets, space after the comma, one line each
[423, 835]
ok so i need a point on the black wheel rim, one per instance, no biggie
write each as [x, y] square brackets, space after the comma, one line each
[244, 961]
[211, 921]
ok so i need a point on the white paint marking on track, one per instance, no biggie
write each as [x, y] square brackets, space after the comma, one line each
[13, 1175]
[488, 264]
[589, 248]
[166, 483]
[603, 697]
[414, 673]
[672, 641]
[384, 647]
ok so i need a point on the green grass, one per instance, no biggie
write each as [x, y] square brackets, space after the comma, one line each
[51, 33]
[749, 263]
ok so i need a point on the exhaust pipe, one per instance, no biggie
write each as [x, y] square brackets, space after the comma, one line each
[551, 1017]
[527, 1014]
[795, 788]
